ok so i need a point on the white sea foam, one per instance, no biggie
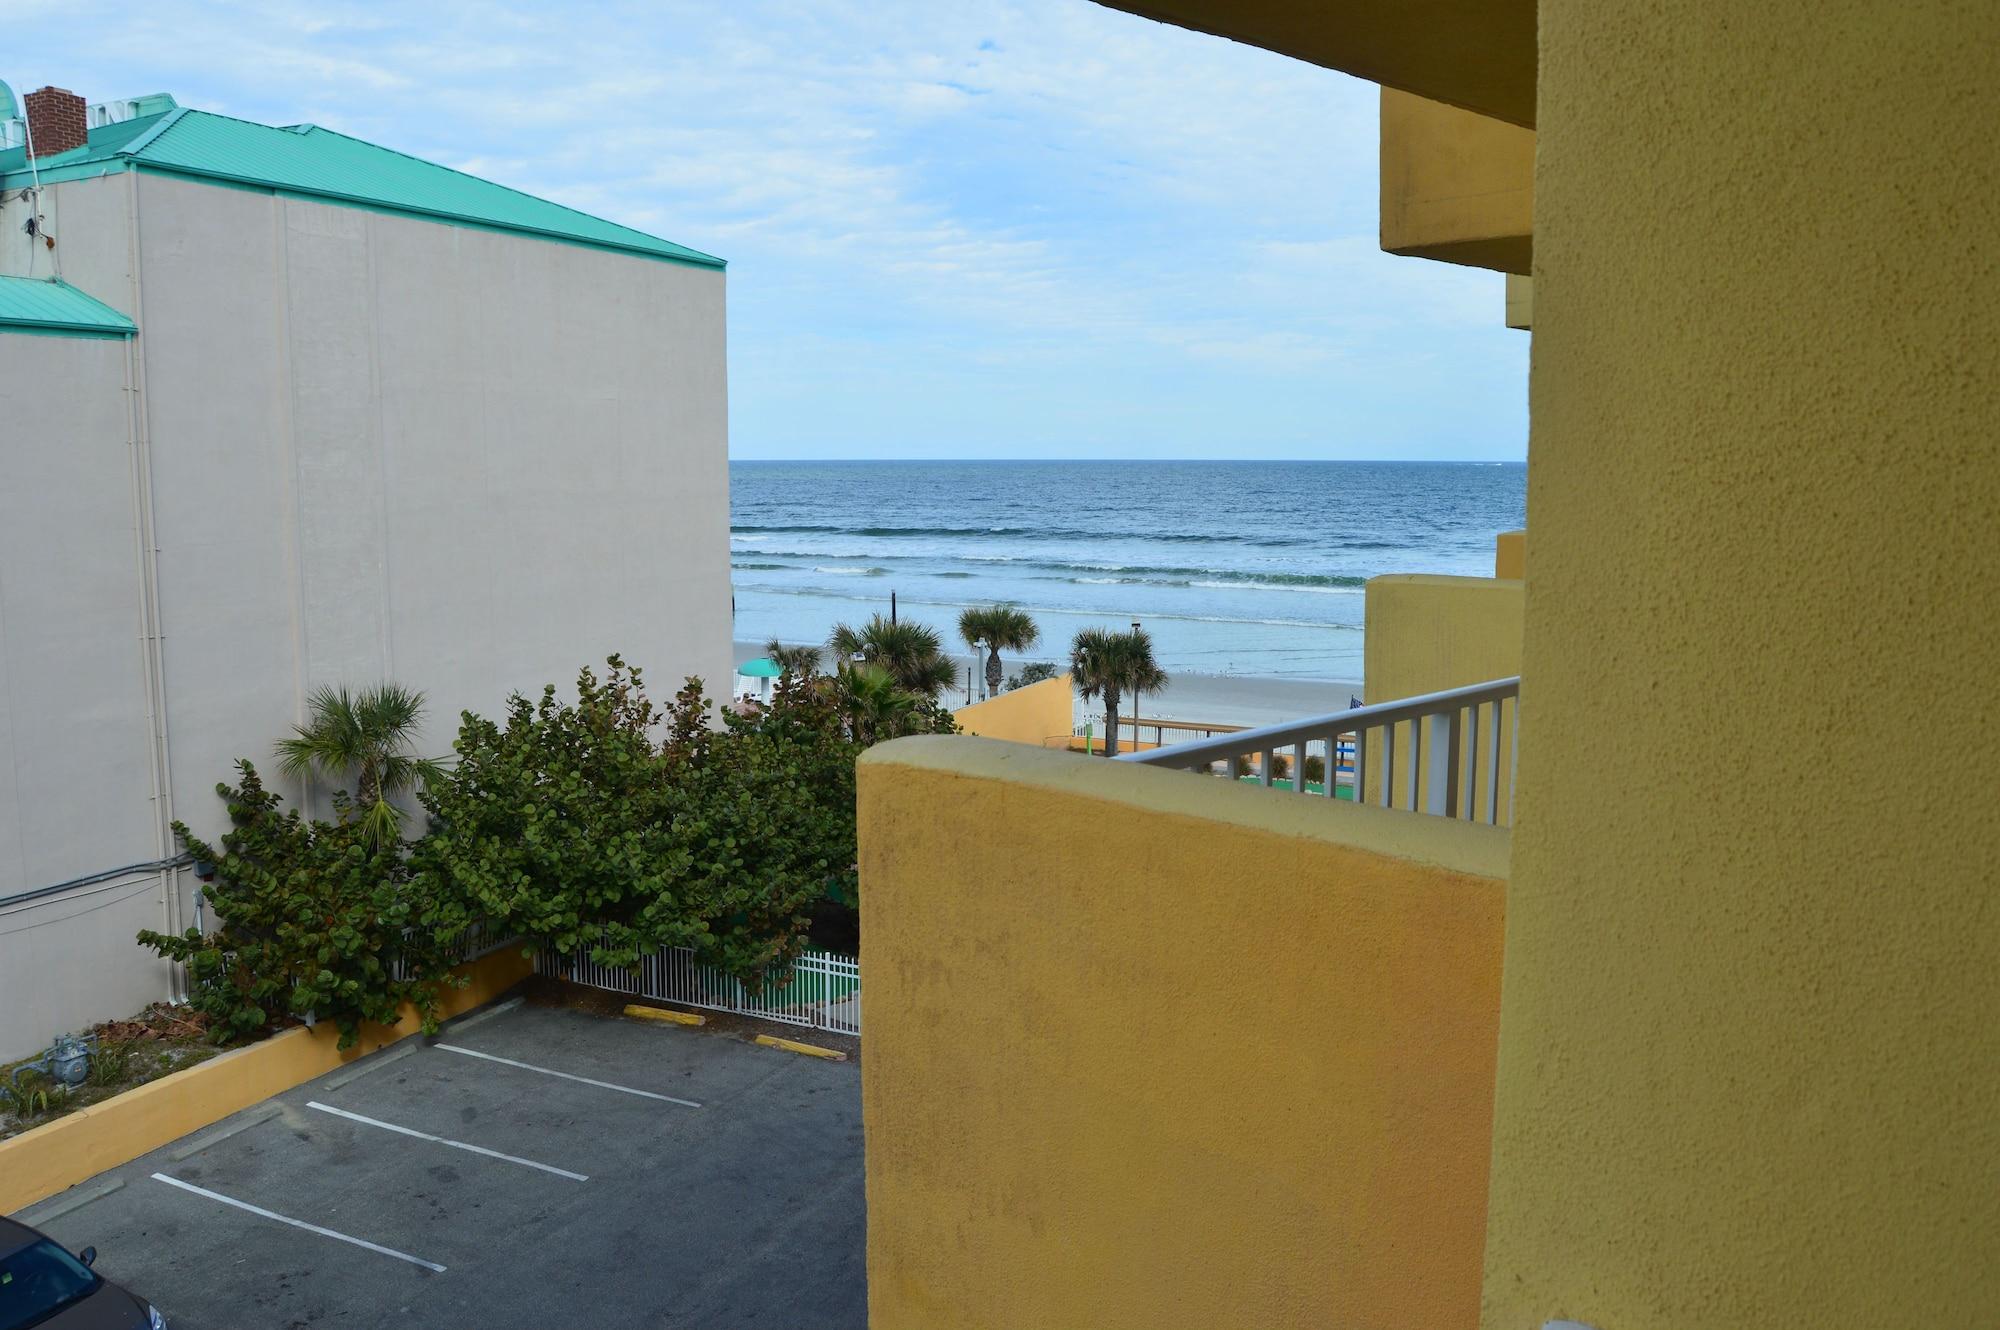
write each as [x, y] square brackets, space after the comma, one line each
[1280, 586]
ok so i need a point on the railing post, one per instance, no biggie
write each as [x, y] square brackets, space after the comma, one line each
[1440, 774]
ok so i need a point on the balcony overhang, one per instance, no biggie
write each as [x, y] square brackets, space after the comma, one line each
[1475, 54]
[1456, 187]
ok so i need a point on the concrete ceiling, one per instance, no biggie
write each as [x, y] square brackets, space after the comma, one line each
[1476, 54]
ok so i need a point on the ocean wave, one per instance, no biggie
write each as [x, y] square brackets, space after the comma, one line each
[1214, 580]
[1337, 588]
[1070, 611]
[760, 531]
[1088, 574]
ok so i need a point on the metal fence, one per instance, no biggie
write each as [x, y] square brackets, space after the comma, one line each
[478, 939]
[1449, 753]
[821, 991]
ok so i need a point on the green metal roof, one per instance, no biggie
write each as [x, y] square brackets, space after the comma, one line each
[309, 162]
[36, 305]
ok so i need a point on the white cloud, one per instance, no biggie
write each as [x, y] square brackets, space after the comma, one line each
[1034, 186]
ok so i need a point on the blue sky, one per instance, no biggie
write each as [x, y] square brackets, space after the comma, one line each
[1028, 229]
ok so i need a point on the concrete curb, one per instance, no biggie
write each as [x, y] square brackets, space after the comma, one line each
[57, 1155]
[793, 1046]
[661, 1014]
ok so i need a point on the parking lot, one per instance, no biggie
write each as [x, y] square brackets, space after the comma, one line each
[533, 1166]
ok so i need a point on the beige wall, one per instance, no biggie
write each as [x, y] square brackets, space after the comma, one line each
[469, 461]
[1152, 1049]
[76, 767]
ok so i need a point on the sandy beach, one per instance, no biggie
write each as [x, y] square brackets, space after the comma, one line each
[1216, 698]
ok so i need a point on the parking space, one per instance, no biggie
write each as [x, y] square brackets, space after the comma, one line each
[536, 1167]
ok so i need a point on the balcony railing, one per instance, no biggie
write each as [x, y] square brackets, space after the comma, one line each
[1439, 753]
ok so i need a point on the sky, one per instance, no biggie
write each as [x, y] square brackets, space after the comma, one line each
[983, 228]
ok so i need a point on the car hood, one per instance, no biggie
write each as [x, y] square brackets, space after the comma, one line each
[110, 1308]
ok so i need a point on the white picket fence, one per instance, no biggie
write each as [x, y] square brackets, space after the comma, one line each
[822, 991]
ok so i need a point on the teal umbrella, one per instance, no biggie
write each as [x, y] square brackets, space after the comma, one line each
[761, 668]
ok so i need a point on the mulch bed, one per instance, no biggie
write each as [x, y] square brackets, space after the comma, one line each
[157, 1042]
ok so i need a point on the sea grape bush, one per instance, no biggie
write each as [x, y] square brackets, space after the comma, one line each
[573, 827]
[608, 824]
[559, 824]
[312, 916]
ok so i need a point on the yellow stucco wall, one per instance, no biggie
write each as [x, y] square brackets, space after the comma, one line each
[1042, 714]
[1426, 632]
[1147, 1049]
[1750, 1042]
[1456, 186]
[1510, 554]
[39, 1163]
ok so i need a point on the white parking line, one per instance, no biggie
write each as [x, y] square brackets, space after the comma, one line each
[445, 1140]
[297, 1223]
[529, 1066]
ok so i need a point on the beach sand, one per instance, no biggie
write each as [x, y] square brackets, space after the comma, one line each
[1215, 698]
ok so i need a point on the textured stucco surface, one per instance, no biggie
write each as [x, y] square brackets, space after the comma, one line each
[1148, 1050]
[75, 763]
[1455, 186]
[1750, 1041]
[1037, 714]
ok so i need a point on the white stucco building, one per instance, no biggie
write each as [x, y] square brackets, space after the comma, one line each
[303, 410]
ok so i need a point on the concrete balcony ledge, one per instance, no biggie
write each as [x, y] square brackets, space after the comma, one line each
[1173, 1049]
[1409, 837]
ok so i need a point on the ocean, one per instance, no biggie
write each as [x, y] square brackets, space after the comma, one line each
[1235, 568]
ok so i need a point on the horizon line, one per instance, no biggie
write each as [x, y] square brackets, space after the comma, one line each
[1240, 461]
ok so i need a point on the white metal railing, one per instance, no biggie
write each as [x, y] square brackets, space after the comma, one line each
[1438, 753]
[479, 938]
[822, 990]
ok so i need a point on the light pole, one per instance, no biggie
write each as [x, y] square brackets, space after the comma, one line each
[1135, 698]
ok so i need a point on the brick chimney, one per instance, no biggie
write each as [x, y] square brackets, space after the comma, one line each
[55, 121]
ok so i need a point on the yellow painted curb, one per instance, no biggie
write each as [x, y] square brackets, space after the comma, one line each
[660, 1014]
[57, 1155]
[792, 1046]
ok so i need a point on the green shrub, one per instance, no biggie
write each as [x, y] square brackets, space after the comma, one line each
[1246, 765]
[313, 916]
[573, 827]
[1033, 672]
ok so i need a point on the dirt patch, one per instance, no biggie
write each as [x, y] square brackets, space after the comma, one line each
[157, 1042]
[543, 991]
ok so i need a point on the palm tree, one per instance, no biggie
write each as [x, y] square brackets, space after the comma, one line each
[1113, 664]
[912, 653]
[877, 707]
[992, 629]
[367, 734]
[800, 661]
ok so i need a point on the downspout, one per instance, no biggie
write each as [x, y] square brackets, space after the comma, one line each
[138, 437]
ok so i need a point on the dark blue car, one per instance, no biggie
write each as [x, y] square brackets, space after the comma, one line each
[41, 1284]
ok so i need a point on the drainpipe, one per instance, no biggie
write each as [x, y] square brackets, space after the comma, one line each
[151, 637]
